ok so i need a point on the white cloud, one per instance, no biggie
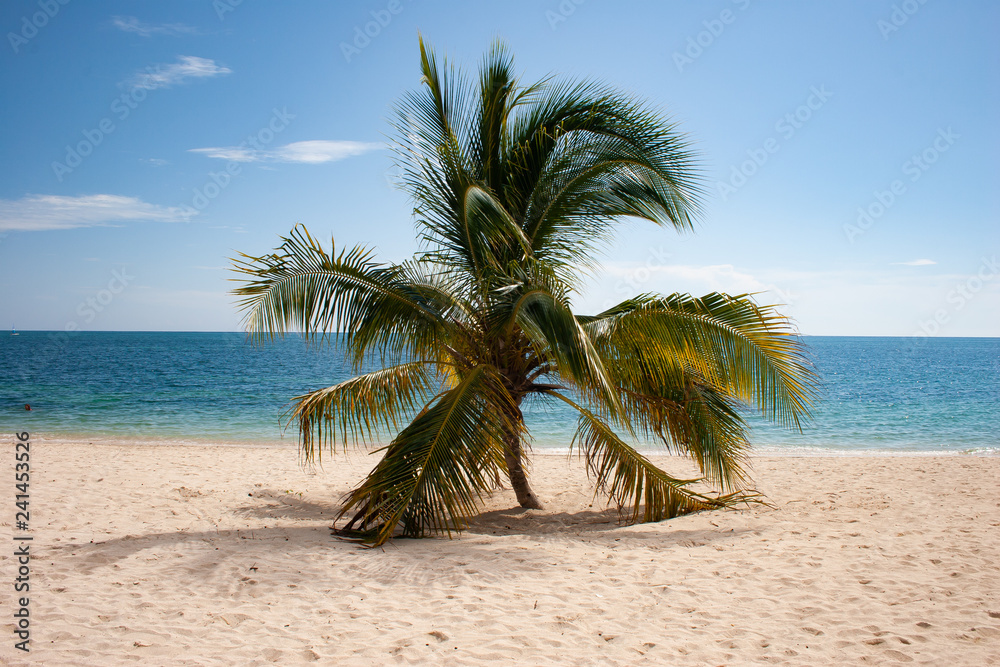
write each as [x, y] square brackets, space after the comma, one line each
[187, 67]
[134, 25]
[835, 302]
[658, 277]
[47, 212]
[316, 151]
[916, 262]
[231, 153]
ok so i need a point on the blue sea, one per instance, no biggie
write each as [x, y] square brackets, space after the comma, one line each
[905, 395]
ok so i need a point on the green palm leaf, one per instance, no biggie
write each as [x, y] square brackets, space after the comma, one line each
[744, 349]
[362, 408]
[437, 469]
[642, 491]
[303, 286]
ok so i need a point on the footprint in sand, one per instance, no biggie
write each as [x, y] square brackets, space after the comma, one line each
[897, 655]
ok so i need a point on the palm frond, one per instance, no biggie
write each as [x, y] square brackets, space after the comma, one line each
[302, 286]
[716, 436]
[497, 87]
[433, 153]
[557, 335]
[436, 470]
[575, 136]
[694, 420]
[362, 408]
[592, 182]
[748, 351]
[642, 491]
[495, 237]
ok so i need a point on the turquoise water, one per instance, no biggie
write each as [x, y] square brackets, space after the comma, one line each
[879, 394]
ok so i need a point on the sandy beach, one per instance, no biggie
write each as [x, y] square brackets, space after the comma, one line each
[184, 555]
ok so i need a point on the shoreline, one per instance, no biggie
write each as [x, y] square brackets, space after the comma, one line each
[764, 451]
[190, 555]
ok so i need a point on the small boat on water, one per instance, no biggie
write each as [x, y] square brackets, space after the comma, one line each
[13, 331]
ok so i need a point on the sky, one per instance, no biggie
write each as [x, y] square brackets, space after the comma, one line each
[848, 149]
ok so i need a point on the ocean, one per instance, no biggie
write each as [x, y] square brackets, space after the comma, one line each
[879, 395]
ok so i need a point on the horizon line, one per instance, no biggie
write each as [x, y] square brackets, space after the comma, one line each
[58, 331]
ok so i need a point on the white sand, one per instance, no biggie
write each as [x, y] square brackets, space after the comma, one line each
[159, 555]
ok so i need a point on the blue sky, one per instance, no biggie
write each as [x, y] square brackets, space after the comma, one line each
[849, 148]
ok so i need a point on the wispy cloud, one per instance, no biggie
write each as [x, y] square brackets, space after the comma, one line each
[230, 153]
[134, 25]
[721, 277]
[186, 67]
[916, 262]
[34, 213]
[316, 151]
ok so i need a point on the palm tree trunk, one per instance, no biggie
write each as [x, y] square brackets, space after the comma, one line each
[518, 478]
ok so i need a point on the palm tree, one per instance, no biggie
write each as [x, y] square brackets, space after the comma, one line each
[516, 187]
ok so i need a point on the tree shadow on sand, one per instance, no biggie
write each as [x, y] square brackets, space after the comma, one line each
[283, 505]
[568, 526]
[107, 553]
[452, 561]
